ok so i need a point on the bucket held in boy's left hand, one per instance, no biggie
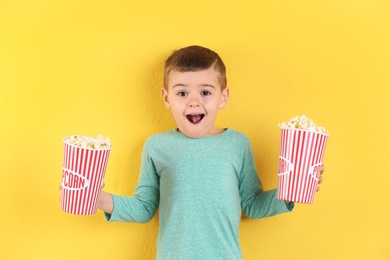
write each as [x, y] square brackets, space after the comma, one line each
[300, 157]
[83, 172]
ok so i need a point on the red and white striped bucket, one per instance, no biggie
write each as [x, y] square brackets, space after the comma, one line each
[301, 154]
[82, 178]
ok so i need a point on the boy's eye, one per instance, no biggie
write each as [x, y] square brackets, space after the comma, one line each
[206, 93]
[182, 93]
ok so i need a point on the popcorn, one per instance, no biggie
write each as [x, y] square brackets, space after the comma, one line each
[89, 142]
[304, 123]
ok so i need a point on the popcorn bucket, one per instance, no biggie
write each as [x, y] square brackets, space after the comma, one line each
[82, 178]
[301, 154]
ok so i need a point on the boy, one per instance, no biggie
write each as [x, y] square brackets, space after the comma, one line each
[200, 176]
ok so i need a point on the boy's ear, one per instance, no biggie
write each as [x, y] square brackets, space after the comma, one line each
[165, 98]
[224, 99]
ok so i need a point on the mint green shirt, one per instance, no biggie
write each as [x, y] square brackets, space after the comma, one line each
[201, 187]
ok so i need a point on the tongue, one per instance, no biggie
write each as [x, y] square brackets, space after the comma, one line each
[194, 118]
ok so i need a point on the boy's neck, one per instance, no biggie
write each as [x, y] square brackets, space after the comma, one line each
[215, 131]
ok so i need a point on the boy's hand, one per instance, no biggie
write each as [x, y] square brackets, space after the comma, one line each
[320, 179]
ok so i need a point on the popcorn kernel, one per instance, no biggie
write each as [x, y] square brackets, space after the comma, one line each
[304, 123]
[89, 142]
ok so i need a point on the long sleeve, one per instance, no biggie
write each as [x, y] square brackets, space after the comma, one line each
[143, 205]
[255, 202]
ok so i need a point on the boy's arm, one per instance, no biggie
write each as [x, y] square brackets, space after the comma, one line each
[143, 205]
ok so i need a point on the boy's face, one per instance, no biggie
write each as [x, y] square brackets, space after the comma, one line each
[195, 97]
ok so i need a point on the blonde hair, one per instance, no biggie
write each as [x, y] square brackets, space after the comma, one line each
[195, 58]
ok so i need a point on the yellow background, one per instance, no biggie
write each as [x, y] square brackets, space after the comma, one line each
[95, 67]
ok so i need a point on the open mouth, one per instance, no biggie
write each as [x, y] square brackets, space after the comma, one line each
[195, 118]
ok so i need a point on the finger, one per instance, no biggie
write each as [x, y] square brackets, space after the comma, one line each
[320, 179]
[322, 169]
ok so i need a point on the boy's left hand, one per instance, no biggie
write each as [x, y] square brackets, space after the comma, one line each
[320, 179]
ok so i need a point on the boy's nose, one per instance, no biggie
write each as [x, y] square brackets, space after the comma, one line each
[194, 103]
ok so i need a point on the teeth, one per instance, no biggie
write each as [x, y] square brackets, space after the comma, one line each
[195, 118]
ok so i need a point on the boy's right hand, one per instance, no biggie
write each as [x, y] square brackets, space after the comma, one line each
[106, 202]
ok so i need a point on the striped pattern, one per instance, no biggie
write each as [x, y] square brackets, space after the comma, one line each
[301, 153]
[82, 177]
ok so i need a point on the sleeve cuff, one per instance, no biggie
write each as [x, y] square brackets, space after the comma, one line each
[107, 216]
[290, 205]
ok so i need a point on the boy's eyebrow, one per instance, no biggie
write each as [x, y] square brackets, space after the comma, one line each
[184, 85]
[179, 85]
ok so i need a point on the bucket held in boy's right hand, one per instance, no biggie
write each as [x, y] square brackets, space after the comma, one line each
[302, 149]
[84, 166]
